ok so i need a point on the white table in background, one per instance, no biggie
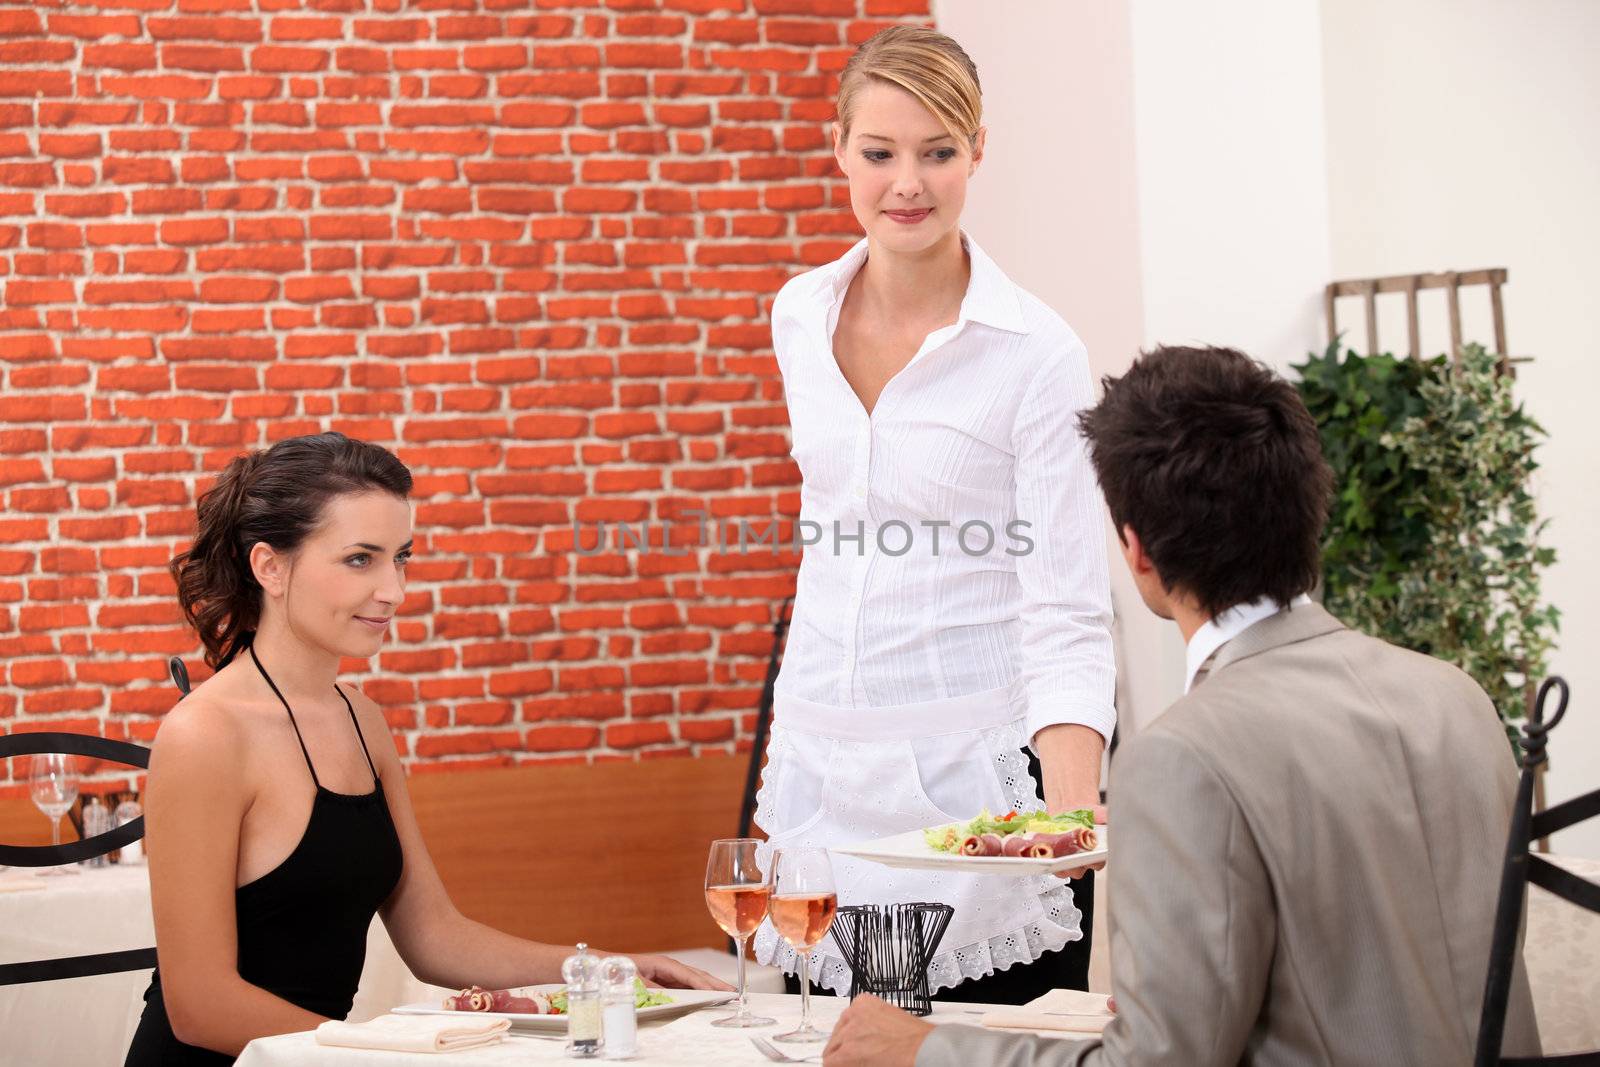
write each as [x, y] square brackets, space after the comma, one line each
[83, 1021]
[688, 1041]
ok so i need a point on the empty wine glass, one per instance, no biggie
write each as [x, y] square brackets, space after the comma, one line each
[736, 894]
[803, 906]
[53, 783]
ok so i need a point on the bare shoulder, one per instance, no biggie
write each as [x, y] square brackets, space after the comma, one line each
[198, 725]
[201, 745]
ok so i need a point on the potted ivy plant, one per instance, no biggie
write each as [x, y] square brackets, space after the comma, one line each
[1433, 539]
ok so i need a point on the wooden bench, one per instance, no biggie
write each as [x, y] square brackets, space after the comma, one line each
[612, 853]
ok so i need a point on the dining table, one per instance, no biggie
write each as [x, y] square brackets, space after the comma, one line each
[79, 1021]
[686, 1041]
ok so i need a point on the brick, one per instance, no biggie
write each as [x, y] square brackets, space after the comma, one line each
[561, 738]
[637, 734]
[201, 57]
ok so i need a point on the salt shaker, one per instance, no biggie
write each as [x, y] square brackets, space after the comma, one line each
[96, 821]
[126, 812]
[582, 975]
[617, 1000]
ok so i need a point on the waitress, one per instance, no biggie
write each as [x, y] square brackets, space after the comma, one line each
[953, 605]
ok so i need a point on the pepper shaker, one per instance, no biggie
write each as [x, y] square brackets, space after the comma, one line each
[96, 821]
[582, 975]
[126, 812]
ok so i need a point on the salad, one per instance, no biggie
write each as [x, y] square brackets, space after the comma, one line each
[949, 838]
[643, 997]
[529, 1001]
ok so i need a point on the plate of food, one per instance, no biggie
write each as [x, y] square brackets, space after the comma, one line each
[544, 1007]
[1033, 842]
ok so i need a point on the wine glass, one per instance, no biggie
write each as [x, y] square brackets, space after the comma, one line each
[803, 905]
[53, 783]
[736, 894]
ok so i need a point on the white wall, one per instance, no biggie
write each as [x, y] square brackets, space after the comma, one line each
[1232, 197]
[1462, 134]
[1055, 202]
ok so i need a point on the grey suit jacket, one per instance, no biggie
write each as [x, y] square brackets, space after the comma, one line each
[1307, 856]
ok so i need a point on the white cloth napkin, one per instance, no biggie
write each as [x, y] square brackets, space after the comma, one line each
[1069, 1010]
[414, 1033]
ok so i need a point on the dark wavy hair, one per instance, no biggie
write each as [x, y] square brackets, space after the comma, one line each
[276, 496]
[1217, 465]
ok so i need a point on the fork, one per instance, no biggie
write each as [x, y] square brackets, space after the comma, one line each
[777, 1055]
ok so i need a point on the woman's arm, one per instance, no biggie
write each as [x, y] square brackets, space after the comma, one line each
[194, 805]
[1067, 662]
[442, 946]
[1069, 755]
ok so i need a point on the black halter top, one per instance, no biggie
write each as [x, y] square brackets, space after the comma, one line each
[302, 925]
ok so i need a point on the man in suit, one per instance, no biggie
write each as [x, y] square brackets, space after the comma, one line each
[1308, 843]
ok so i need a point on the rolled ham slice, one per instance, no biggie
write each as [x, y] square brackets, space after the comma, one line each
[1079, 839]
[505, 1000]
[1017, 845]
[981, 845]
[476, 998]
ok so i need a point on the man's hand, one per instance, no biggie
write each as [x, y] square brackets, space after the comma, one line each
[870, 1033]
[1100, 819]
[665, 971]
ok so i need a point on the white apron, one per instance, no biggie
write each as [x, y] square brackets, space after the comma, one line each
[838, 776]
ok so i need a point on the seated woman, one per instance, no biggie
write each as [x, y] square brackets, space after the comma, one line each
[278, 821]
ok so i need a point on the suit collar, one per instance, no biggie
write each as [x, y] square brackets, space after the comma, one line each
[1298, 622]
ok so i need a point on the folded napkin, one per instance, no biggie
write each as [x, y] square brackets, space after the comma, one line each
[414, 1033]
[1068, 1010]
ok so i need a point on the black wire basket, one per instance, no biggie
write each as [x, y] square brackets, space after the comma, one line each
[888, 948]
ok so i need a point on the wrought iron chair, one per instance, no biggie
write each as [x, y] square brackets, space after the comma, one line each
[105, 748]
[1520, 869]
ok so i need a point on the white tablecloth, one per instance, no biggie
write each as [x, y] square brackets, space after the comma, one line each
[689, 1041]
[80, 1020]
[83, 1021]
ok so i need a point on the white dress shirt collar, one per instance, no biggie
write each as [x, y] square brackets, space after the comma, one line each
[991, 297]
[1222, 628]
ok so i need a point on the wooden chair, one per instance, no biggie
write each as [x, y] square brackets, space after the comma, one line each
[1519, 870]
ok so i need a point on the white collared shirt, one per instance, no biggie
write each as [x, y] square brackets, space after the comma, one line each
[1224, 627]
[980, 427]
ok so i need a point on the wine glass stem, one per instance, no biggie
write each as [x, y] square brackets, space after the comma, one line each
[55, 830]
[805, 991]
[744, 1001]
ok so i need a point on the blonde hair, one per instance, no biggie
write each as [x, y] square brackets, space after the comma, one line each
[925, 63]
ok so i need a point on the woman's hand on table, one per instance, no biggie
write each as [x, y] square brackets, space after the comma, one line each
[1100, 819]
[871, 1033]
[669, 973]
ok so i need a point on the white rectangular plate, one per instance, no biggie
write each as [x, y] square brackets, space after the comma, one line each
[683, 1002]
[911, 851]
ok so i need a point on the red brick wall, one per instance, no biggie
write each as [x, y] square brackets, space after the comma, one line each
[528, 245]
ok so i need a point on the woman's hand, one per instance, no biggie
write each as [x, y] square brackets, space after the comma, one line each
[668, 972]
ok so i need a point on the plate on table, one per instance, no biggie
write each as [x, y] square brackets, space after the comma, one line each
[683, 1002]
[911, 851]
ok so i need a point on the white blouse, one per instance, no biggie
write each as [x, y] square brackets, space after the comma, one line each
[954, 537]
